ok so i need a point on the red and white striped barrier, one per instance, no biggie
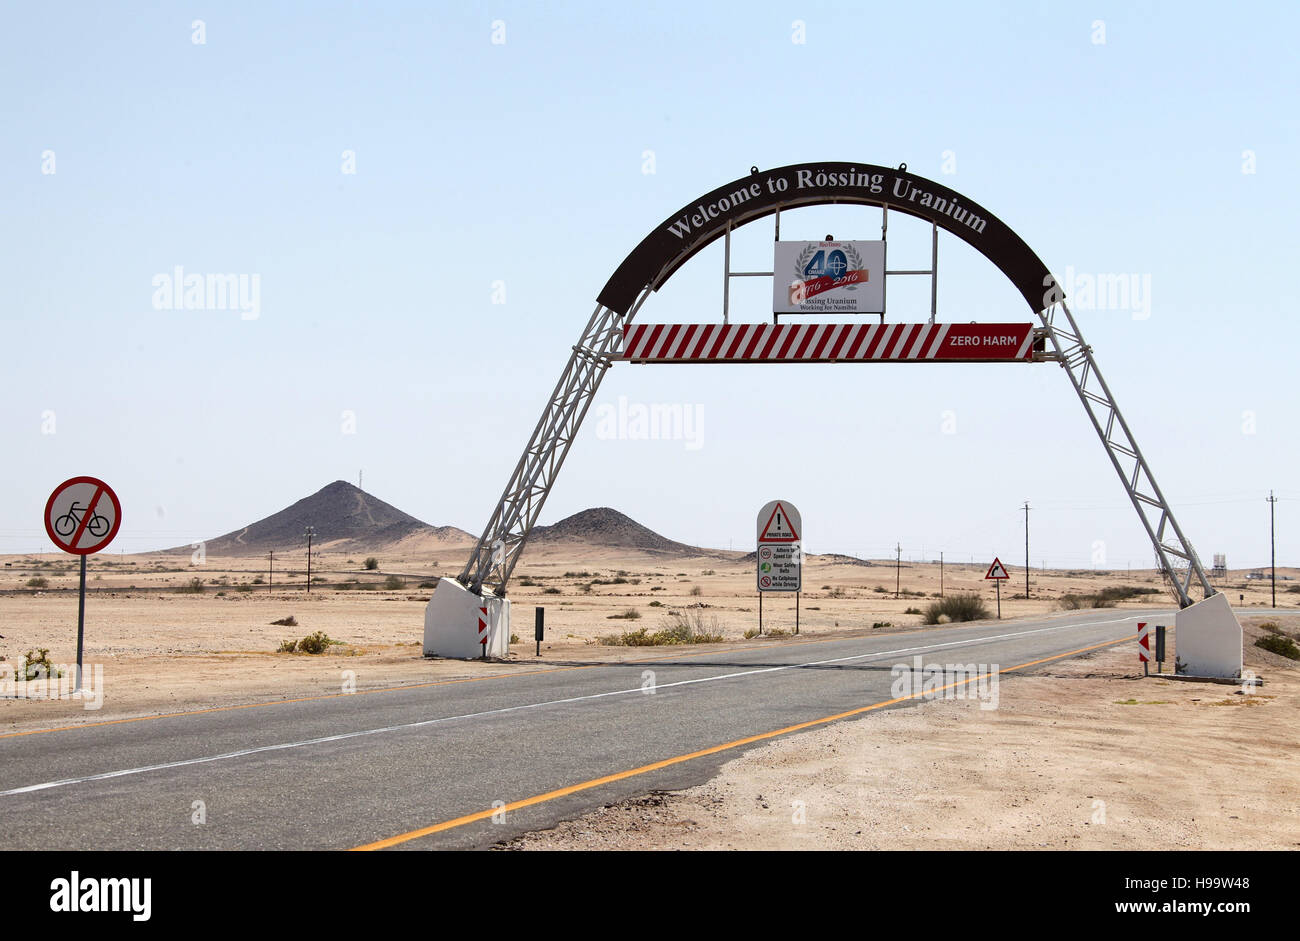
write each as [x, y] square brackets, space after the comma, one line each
[827, 342]
[1144, 642]
[482, 627]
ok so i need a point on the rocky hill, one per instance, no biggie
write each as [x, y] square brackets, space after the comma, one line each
[343, 516]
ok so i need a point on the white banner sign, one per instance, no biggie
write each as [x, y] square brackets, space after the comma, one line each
[829, 278]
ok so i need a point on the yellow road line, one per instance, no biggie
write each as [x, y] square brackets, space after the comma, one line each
[681, 759]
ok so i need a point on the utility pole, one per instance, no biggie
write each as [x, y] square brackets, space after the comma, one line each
[1272, 543]
[311, 531]
[898, 571]
[270, 574]
[940, 574]
[1026, 550]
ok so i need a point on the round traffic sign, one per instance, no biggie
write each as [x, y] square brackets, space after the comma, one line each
[82, 515]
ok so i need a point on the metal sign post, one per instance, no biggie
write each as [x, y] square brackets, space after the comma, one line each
[779, 557]
[997, 574]
[82, 516]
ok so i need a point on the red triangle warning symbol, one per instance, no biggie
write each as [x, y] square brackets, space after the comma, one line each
[997, 570]
[779, 527]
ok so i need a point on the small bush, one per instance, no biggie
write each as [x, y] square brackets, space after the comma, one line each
[318, 642]
[881, 590]
[881, 624]
[656, 604]
[750, 633]
[631, 614]
[577, 575]
[679, 628]
[392, 583]
[1279, 644]
[551, 591]
[912, 611]
[287, 646]
[38, 581]
[370, 564]
[696, 591]
[514, 638]
[258, 580]
[290, 621]
[193, 587]
[34, 666]
[957, 607]
[527, 582]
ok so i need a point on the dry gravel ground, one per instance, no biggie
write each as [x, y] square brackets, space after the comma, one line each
[1067, 761]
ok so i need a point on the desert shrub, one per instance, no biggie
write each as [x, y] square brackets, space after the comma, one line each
[1279, 644]
[1123, 593]
[514, 638]
[258, 580]
[577, 575]
[527, 582]
[1077, 602]
[34, 666]
[244, 589]
[679, 627]
[960, 606]
[38, 581]
[551, 591]
[392, 583]
[881, 590]
[318, 642]
[836, 592]
[707, 572]
[696, 591]
[881, 624]
[370, 564]
[750, 633]
[912, 611]
[631, 614]
[287, 646]
[428, 585]
[290, 621]
[1271, 627]
[193, 587]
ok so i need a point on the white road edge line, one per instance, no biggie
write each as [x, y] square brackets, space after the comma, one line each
[283, 746]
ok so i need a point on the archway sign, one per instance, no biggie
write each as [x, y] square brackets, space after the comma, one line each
[820, 273]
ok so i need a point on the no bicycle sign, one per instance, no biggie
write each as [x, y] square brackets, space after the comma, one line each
[82, 516]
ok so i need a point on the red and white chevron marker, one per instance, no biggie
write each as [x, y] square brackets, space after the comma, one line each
[827, 342]
[482, 627]
[1144, 642]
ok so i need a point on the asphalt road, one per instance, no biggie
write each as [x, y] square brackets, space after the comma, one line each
[389, 766]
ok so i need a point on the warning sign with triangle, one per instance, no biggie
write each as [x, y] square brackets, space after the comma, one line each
[997, 570]
[779, 521]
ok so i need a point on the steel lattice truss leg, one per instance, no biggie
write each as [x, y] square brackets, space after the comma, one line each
[1076, 357]
[503, 540]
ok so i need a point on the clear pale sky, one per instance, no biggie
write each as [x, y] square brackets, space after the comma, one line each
[1166, 152]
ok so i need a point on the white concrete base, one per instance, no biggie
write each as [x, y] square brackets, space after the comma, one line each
[457, 621]
[1208, 639]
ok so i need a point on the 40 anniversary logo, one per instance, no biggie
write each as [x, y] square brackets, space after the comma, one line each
[818, 270]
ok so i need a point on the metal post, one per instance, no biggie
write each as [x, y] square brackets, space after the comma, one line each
[1026, 550]
[1272, 545]
[311, 531]
[81, 624]
[539, 626]
[270, 573]
[940, 574]
[898, 571]
[934, 272]
[726, 274]
[760, 612]
[796, 612]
